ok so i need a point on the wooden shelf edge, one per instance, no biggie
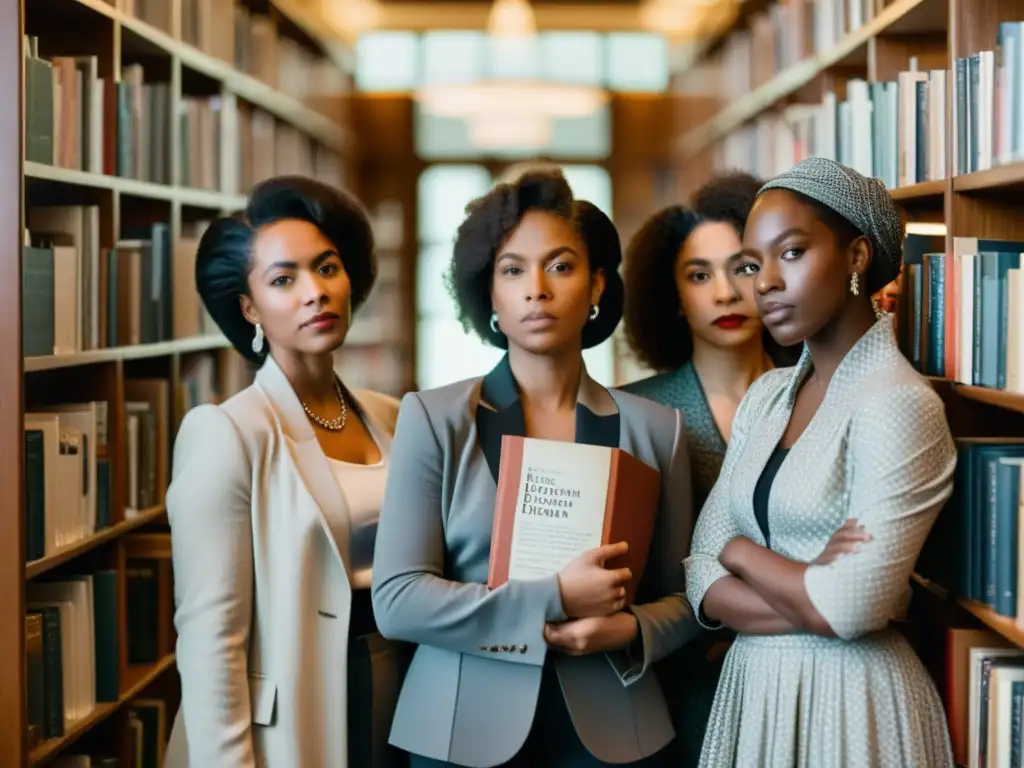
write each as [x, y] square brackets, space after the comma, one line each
[201, 198]
[138, 351]
[789, 81]
[920, 191]
[1012, 401]
[994, 178]
[37, 567]
[1011, 629]
[101, 712]
[282, 105]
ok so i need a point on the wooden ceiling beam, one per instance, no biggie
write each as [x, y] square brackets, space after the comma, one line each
[624, 17]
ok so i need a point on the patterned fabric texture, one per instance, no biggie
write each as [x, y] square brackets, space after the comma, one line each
[687, 678]
[878, 449]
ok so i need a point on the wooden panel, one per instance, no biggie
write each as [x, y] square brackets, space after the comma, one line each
[888, 56]
[977, 22]
[12, 564]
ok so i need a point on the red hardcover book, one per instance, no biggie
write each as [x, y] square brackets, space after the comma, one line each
[556, 500]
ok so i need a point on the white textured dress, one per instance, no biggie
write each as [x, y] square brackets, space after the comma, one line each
[878, 449]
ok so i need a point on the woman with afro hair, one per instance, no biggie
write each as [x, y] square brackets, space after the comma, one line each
[548, 671]
[690, 315]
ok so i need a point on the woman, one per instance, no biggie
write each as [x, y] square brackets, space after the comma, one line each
[552, 671]
[690, 313]
[834, 475]
[274, 502]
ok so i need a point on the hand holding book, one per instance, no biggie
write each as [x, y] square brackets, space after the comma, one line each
[588, 588]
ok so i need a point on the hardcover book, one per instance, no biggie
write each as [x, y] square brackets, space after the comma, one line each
[557, 500]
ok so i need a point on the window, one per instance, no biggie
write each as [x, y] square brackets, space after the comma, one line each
[620, 61]
[387, 61]
[446, 353]
[637, 61]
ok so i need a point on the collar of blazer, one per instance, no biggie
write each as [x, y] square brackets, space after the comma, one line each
[500, 412]
[310, 461]
[873, 352]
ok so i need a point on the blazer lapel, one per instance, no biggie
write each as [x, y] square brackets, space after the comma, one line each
[310, 461]
[500, 413]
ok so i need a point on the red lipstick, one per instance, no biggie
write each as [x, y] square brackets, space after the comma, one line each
[730, 322]
[322, 322]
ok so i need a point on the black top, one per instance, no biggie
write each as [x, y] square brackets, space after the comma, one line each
[763, 490]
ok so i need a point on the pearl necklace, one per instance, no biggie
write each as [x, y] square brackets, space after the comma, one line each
[331, 425]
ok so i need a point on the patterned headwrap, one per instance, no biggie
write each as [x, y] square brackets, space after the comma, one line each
[863, 202]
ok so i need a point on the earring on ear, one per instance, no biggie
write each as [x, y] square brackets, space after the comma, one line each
[855, 284]
[494, 323]
[257, 340]
[595, 310]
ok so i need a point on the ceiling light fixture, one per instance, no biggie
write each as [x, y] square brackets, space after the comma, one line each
[526, 104]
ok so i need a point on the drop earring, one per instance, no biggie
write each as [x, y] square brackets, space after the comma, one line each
[494, 323]
[855, 284]
[257, 340]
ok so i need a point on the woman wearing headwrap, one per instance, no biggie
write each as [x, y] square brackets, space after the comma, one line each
[834, 475]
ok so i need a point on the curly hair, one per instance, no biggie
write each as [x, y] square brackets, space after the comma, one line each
[492, 218]
[655, 327]
[224, 257]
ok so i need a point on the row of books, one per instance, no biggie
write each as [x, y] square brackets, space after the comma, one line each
[982, 685]
[78, 295]
[74, 641]
[964, 311]
[269, 147]
[894, 131]
[989, 103]
[975, 548]
[783, 35]
[68, 453]
[66, 103]
[258, 48]
[69, 475]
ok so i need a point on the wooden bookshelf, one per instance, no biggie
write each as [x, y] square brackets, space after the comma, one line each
[166, 138]
[749, 100]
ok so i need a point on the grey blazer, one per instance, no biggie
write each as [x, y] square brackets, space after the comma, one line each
[470, 694]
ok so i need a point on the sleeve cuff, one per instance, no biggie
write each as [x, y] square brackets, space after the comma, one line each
[546, 593]
[818, 585]
[703, 571]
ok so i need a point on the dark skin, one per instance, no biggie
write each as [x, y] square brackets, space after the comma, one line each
[804, 295]
[542, 290]
[297, 275]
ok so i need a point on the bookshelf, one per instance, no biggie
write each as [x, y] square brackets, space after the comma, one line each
[139, 122]
[927, 96]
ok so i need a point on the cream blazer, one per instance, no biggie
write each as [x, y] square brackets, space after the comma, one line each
[261, 585]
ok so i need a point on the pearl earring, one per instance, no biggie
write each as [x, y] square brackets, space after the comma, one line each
[257, 340]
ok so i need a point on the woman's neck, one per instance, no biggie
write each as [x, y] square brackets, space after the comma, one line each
[830, 345]
[730, 370]
[547, 382]
[311, 376]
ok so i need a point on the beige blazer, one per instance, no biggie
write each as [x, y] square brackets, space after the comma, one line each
[261, 586]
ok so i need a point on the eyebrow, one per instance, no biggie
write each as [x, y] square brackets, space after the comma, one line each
[697, 261]
[547, 257]
[787, 233]
[317, 261]
[775, 241]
